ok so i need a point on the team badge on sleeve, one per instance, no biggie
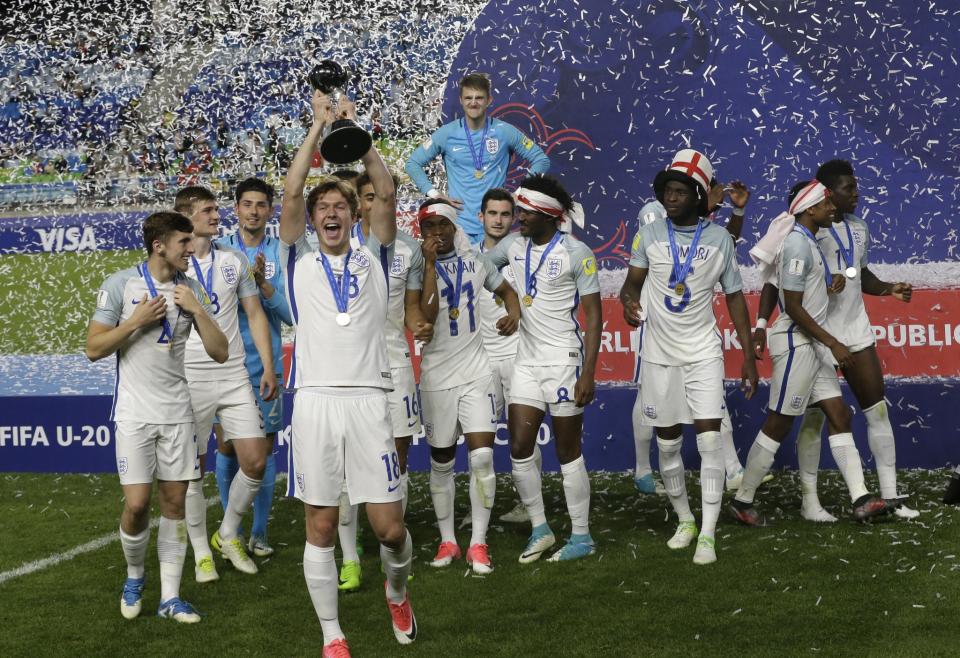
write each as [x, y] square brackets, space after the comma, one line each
[527, 143]
[795, 266]
[590, 265]
[102, 299]
[427, 144]
[229, 273]
[636, 242]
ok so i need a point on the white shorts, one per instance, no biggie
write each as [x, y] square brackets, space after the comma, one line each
[148, 450]
[467, 408]
[502, 378]
[404, 402]
[344, 435]
[546, 387]
[801, 377]
[672, 395]
[233, 402]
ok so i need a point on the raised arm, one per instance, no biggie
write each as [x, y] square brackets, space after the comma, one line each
[293, 210]
[383, 214]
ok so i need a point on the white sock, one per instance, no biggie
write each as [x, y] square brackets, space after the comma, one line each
[172, 550]
[405, 491]
[642, 438]
[576, 489]
[847, 456]
[320, 572]
[712, 478]
[880, 438]
[483, 487]
[759, 461]
[135, 551]
[243, 490]
[396, 566]
[442, 492]
[526, 478]
[731, 460]
[808, 456]
[195, 511]
[347, 531]
[674, 480]
[538, 457]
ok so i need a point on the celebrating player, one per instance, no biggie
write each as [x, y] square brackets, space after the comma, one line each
[406, 276]
[476, 152]
[144, 315]
[681, 375]
[643, 435]
[803, 352]
[224, 390]
[341, 416]
[554, 369]
[254, 206]
[455, 378]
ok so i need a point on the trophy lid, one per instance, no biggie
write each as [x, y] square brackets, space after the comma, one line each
[329, 75]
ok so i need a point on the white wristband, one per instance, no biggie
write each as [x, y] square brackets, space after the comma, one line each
[739, 212]
[761, 323]
[433, 193]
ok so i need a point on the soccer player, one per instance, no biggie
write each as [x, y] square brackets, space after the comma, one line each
[555, 366]
[254, 206]
[224, 390]
[681, 376]
[803, 352]
[144, 315]
[497, 216]
[455, 378]
[846, 244]
[341, 416]
[476, 153]
[406, 276]
[643, 435]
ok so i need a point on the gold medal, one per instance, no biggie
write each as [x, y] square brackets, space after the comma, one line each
[454, 313]
[680, 289]
[497, 300]
[478, 173]
[527, 300]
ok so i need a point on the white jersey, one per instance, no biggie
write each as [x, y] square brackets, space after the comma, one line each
[455, 355]
[847, 318]
[549, 331]
[682, 329]
[326, 353]
[800, 268]
[227, 277]
[406, 273]
[491, 310]
[151, 385]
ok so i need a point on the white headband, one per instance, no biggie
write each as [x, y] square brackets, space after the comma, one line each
[764, 253]
[438, 209]
[808, 197]
[546, 204]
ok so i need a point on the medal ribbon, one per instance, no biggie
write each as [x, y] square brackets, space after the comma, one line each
[847, 254]
[680, 271]
[208, 284]
[454, 299]
[247, 249]
[476, 154]
[153, 293]
[530, 277]
[341, 293]
[813, 239]
[357, 232]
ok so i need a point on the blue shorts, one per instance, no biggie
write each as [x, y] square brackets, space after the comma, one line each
[272, 411]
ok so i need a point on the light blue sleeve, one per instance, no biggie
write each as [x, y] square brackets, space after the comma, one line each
[415, 275]
[651, 212]
[422, 156]
[796, 261]
[527, 149]
[248, 285]
[730, 279]
[110, 299]
[638, 250]
[584, 265]
[278, 302]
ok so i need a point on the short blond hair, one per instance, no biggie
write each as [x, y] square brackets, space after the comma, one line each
[330, 185]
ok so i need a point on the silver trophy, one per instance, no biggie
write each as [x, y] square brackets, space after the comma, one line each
[344, 141]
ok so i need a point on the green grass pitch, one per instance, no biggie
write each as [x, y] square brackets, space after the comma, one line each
[888, 589]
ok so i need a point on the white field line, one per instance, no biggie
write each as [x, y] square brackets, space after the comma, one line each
[39, 565]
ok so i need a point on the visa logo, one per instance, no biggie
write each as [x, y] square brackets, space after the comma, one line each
[67, 238]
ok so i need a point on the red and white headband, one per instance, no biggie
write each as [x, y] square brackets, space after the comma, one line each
[808, 197]
[546, 204]
[438, 210]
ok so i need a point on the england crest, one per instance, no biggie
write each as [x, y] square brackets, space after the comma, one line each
[269, 269]
[359, 259]
[300, 483]
[229, 273]
[122, 465]
[796, 401]
[554, 267]
[493, 145]
[396, 267]
[650, 411]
